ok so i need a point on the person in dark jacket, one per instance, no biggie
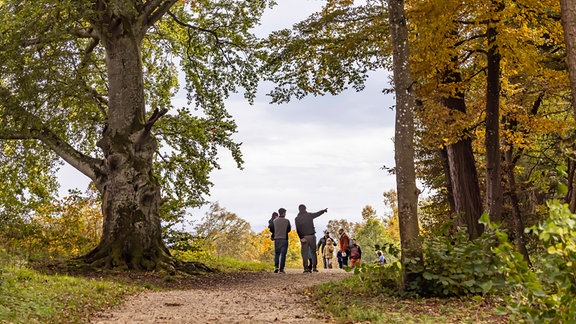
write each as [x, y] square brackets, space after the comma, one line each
[321, 244]
[281, 229]
[271, 224]
[355, 253]
[304, 222]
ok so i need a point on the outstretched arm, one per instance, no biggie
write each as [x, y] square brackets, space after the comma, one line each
[318, 213]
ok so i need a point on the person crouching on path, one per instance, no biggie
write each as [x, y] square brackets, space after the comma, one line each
[281, 229]
[304, 222]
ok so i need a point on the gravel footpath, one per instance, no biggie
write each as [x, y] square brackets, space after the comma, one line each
[260, 297]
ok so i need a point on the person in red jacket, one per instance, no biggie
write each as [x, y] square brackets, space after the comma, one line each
[344, 243]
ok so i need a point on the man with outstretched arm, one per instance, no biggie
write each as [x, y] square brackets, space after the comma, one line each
[304, 222]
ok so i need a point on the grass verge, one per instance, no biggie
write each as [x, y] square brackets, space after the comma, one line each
[30, 295]
[27, 296]
[222, 264]
[348, 301]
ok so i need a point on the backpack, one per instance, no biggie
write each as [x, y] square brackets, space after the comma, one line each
[354, 252]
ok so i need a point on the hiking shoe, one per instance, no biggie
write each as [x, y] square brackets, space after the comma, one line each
[282, 271]
[306, 271]
[276, 271]
[315, 270]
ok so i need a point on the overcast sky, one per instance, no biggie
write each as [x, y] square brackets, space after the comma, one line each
[324, 152]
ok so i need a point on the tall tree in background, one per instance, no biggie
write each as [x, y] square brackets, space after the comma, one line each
[225, 232]
[492, 139]
[90, 82]
[404, 145]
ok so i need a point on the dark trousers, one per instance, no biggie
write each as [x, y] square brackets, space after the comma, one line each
[344, 260]
[280, 250]
[307, 248]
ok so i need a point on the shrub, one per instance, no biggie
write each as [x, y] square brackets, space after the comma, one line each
[456, 266]
[546, 294]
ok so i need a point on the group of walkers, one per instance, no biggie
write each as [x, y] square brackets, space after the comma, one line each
[279, 226]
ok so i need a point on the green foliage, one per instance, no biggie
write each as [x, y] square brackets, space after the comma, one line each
[547, 293]
[222, 263]
[352, 301]
[62, 229]
[180, 240]
[456, 266]
[379, 278]
[328, 52]
[453, 266]
[30, 297]
[224, 233]
[370, 236]
[55, 100]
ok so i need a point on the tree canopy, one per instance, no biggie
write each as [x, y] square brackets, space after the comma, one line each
[91, 82]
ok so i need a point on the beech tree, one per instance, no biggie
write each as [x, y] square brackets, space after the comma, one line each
[89, 82]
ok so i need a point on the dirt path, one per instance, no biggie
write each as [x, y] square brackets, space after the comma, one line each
[262, 297]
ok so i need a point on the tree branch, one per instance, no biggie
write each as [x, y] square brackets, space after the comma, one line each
[155, 10]
[155, 116]
[39, 131]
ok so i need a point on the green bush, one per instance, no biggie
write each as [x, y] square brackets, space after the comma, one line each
[456, 266]
[453, 266]
[547, 293]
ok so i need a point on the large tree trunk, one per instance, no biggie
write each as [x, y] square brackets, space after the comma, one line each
[131, 235]
[568, 8]
[492, 140]
[464, 177]
[404, 147]
[462, 168]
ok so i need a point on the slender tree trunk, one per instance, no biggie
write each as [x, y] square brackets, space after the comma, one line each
[448, 181]
[571, 195]
[492, 140]
[131, 235]
[404, 147]
[568, 8]
[520, 238]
